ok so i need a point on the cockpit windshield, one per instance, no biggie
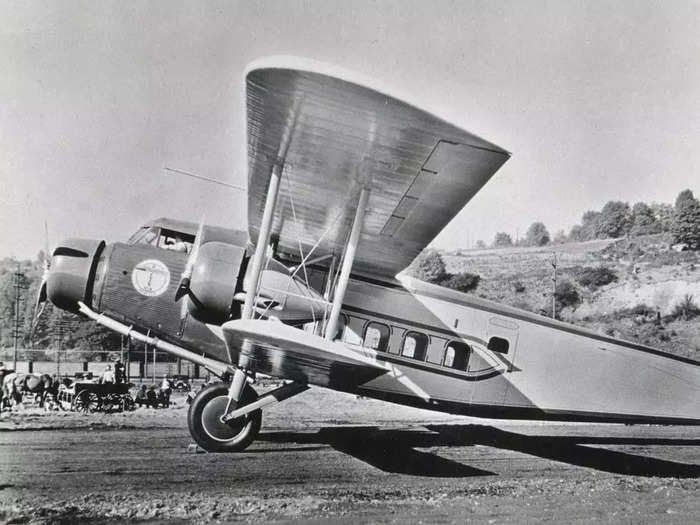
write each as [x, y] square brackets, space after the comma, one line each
[163, 238]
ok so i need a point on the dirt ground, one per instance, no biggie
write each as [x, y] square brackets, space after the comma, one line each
[324, 456]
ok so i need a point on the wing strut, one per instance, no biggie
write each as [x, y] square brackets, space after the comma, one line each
[263, 241]
[238, 360]
[339, 295]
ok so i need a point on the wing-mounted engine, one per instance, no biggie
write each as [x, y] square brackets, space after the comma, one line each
[215, 280]
[219, 281]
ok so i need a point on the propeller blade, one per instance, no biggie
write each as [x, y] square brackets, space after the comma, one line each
[41, 297]
[47, 255]
[183, 308]
[184, 286]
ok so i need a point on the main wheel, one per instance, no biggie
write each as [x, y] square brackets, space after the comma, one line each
[206, 427]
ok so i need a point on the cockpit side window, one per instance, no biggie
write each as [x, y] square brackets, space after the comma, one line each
[145, 235]
[175, 241]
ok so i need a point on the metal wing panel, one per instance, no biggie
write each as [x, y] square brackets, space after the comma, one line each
[290, 353]
[335, 136]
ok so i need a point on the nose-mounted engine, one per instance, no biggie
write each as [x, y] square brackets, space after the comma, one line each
[72, 273]
[154, 287]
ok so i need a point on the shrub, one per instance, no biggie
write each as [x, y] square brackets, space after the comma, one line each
[518, 286]
[463, 282]
[566, 294]
[686, 308]
[502, 240]
[429, 267]
[641, 309]
[593, 278]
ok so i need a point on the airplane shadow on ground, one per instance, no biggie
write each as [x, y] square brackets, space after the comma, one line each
[395, 450]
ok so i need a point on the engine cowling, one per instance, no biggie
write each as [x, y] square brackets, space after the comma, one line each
[216, 278]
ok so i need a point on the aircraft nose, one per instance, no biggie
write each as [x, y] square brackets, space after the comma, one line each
[72, 272]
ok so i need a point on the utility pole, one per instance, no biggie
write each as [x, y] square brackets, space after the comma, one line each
[19, 284]
[554, 281]
[128, 359]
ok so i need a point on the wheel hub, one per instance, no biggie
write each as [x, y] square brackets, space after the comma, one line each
[212, 424]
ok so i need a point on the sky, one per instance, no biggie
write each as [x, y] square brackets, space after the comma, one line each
[595, 100]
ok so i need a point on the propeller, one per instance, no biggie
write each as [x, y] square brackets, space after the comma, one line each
[183, 289]
[41, 297]
[185, 280]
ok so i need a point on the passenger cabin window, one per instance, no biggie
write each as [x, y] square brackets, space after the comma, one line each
[498, 344]
[457, 355]
[414, 345]
[353, 331]
[376, 337]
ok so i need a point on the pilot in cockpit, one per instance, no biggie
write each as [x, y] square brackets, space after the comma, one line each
[176, 244]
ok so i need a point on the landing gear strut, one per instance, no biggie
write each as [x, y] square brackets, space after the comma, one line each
[207, 428]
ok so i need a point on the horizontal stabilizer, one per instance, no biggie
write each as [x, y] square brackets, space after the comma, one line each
[283, 351]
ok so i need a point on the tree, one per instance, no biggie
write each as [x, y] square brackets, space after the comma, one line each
[429, 266]
[664, 215]
[577, 233]
[589, 225]
[644, 222]
[480, 244]
[686, 221]
[614, 220]
[560, 237]
[684, 196]
[537, 235]
[502, 240]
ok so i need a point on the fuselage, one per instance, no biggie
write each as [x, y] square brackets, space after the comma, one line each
[444, 350]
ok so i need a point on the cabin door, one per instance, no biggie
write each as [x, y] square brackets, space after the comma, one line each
[491, 367]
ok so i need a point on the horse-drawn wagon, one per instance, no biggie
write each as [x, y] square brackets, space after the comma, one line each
[96, 397]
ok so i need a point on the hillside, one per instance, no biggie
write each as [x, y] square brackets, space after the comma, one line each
[641, 305]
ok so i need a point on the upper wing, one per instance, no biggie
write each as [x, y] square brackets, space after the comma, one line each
[336, 136]
[284, 351]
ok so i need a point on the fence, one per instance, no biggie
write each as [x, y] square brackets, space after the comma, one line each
[68, 362]
[136, 368]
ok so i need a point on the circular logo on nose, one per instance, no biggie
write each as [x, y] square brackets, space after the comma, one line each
[150, 277]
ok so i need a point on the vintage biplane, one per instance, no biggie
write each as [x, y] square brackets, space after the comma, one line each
[346, 185]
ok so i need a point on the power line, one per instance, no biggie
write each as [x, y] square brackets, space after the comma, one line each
[206, 179]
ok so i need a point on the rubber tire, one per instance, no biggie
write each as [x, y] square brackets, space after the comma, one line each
[211, 434]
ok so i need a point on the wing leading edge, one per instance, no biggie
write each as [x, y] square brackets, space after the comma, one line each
[334, 137]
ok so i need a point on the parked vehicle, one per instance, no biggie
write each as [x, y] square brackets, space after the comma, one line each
[181, 383]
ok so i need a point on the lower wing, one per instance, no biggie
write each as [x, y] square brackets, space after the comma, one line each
[283, 351]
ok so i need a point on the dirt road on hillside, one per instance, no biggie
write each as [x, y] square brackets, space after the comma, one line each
[403, 468]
